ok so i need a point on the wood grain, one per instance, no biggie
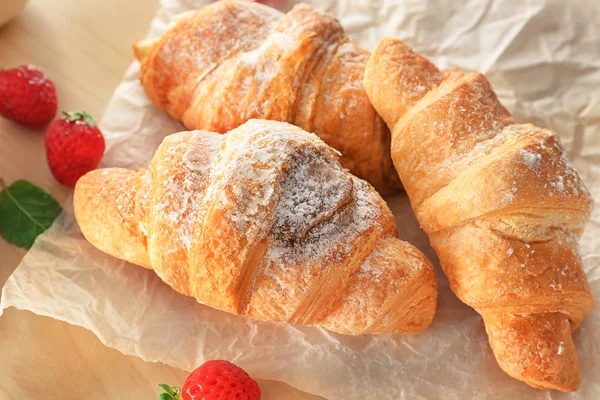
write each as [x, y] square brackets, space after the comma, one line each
[85, 48]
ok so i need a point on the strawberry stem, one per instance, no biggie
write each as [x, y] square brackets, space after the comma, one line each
[2, 185]
[77, 115]
[169, 392]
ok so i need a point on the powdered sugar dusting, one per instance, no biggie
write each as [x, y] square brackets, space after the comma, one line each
[278, 182]
[559, 184]
[531, 159]
[538, 150]
[249, 169]
[184, 166]
[220, 32]
[561, 348]
[237, 60]
[329, 242]
[334, 239]
[366, 268]
[312, 190]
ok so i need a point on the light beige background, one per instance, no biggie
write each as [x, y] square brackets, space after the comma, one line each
[85, 47]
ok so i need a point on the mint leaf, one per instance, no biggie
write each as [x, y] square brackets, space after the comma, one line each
[26, 211]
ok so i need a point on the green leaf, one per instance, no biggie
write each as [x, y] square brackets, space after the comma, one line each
[171, 393]
[26, 211]
[167, 388]
[77, 115]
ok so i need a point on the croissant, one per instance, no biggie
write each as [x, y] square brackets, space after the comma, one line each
[502, 206]
[234, 60]
[262, 222]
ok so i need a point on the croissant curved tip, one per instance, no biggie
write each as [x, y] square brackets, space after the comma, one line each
[566, 380]
[105, 203]
[141, 48]
[536, 349]
[395, 290]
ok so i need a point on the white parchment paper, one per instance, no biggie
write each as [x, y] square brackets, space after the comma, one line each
[543, 58]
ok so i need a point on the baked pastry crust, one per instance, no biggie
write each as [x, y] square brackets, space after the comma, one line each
[234, 60]
[501, 203]
[263, 222]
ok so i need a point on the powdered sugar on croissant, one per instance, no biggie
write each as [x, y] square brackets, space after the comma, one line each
[234, 60]
[501, 204]
[263, 221]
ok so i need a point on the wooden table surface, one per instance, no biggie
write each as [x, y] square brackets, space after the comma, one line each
[85, 48]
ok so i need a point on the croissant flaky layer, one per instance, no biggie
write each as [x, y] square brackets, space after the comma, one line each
[234, 60]
[502, 206]
[265, 222]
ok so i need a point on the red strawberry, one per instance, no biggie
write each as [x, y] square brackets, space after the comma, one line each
[74, 146]
[27, 96]
[215, 380]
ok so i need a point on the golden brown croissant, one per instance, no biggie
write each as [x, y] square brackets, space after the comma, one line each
[235, 60]
[264, 222]
[501, 204]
